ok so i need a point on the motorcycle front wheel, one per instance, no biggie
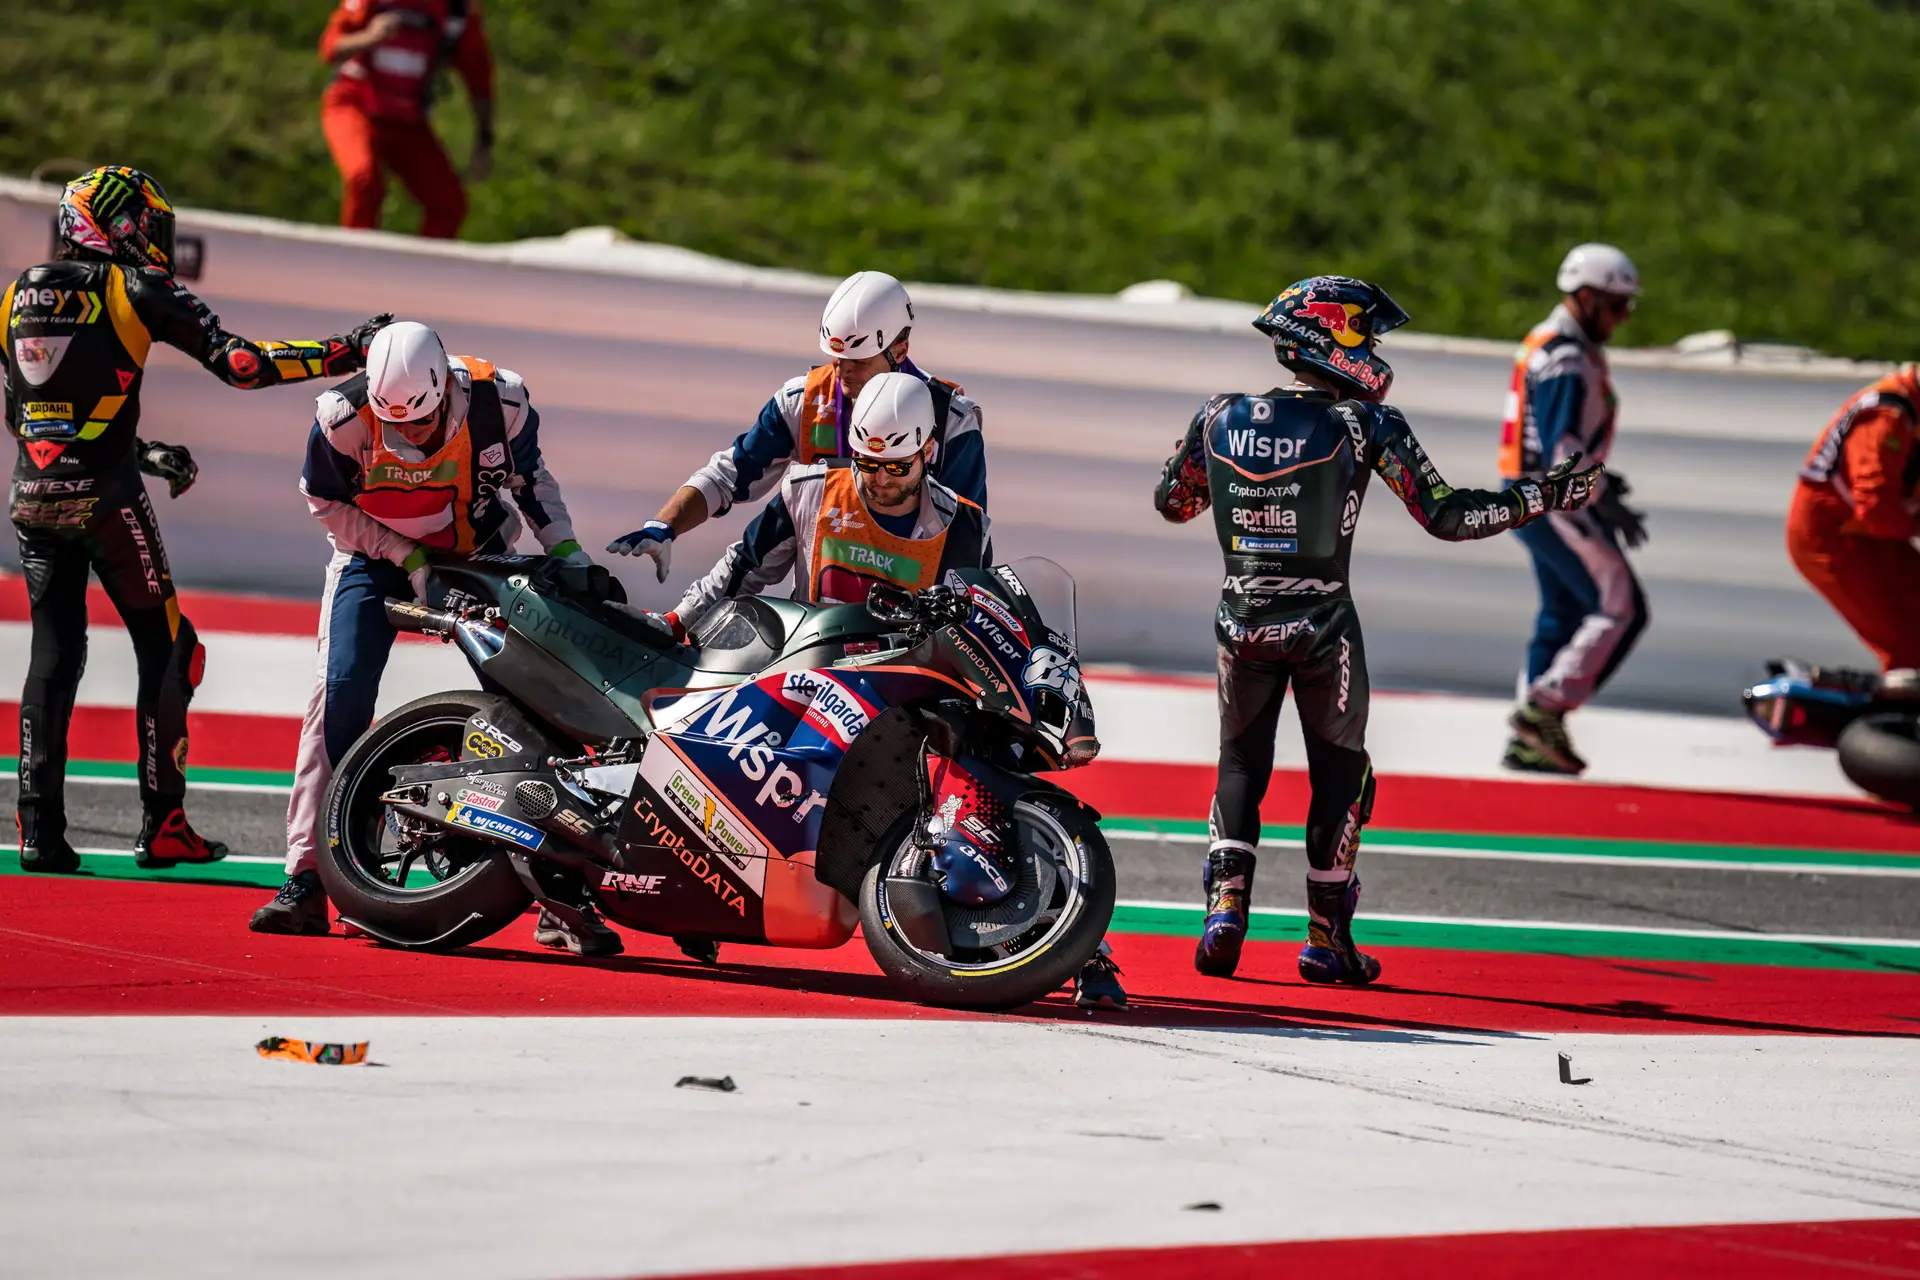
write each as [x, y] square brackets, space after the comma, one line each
[1041, 960]
[425, 891]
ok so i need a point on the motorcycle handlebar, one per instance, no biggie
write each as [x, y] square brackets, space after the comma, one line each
[896, 606]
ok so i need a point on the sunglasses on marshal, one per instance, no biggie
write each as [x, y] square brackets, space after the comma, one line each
[892, 466]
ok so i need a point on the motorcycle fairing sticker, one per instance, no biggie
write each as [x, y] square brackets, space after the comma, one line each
[743, 744]
[493, 824]
[832, 711]
[672, 843]
[711, 815]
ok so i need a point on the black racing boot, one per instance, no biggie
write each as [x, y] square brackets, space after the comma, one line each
[299, 908]
[1546, 733]
[1330, 955]
[593, 938]
[1097, 985]
[168, 839]
[1228, 881]
[45, 851]
[705, 950]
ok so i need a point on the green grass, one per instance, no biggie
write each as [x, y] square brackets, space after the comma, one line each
[1755, 156]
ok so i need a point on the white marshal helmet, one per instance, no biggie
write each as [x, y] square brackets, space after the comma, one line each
[893, 418]
[1598, 266]
[407, 372]
[868, 313]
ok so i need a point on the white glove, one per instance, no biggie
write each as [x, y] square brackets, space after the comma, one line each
[655, 538]
[418, 578]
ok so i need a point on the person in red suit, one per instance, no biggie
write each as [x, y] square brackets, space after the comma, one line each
[1856, 512]
[385, 55]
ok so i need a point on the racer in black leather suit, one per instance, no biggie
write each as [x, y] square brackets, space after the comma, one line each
[1285, 474]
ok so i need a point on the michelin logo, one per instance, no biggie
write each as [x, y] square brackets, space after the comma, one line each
[492, 824]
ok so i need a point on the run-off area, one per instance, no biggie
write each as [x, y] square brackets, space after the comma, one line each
[550, 1146]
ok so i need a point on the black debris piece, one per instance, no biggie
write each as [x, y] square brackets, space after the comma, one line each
[719, 1084]
[1566, 1071]
[1204, 1206]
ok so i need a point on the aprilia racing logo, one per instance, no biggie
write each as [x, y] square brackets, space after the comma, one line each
[1267, 519]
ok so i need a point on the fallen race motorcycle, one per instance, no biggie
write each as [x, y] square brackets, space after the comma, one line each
[789, 772]
[1872, 722]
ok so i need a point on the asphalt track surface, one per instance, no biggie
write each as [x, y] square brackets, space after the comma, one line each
[105, 816]
[638, 381]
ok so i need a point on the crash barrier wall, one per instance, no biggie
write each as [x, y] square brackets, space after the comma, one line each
[1087, 388]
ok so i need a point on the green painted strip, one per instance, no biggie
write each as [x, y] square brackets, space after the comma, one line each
[254, 875]
[1614, 944]
[1290, 927]
[1625, 850]
[121, 771]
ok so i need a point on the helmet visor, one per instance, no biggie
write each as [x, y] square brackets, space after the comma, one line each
[157, 227]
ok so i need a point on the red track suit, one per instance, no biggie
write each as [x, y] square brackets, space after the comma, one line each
[375, 110]
[1856, 511]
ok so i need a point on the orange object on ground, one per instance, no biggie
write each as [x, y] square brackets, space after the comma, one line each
[374, 112]
[1856, 511]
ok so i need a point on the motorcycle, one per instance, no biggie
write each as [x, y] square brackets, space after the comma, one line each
[789, 771]
[1872, 723]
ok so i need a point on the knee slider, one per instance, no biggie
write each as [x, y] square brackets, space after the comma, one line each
[189, 657]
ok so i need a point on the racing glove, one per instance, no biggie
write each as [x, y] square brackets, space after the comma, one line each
[1629, 525]
[1562, 489]
[169, 462]
[361, 334]
[654, 538]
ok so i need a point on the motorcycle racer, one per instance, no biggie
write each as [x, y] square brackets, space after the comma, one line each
[1855, 514]
[1592, 608]
[864, 331]
[843, 525]
[411, 459]
[1285, 473]
[79, 330]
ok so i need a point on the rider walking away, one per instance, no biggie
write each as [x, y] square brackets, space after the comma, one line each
[79, 330]
[1285, 473]
[1592, 610]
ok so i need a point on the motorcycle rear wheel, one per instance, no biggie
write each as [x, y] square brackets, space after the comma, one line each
[456, 894]
[1880, 754]
[1037, 965]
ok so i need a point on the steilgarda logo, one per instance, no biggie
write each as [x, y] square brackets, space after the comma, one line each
[831, 707]
[492, 824]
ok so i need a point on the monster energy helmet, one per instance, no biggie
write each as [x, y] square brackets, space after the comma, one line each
[1328, 326]
[118, 213]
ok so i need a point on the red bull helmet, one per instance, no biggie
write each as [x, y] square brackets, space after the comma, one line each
[119, 213]
[1328, 326]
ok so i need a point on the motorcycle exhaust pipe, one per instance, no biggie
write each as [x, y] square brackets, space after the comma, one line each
[408, 615]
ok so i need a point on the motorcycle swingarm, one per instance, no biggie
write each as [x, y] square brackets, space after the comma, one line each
[405, 775]
[430, 793]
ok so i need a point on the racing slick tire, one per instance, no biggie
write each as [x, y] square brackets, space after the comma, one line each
[1880, 754]
[1041, 965]
[479, 895]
